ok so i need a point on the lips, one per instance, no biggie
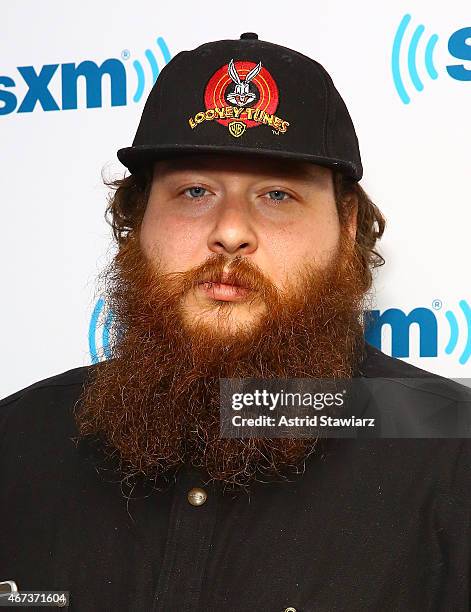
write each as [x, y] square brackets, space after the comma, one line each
[225, 288]
[225, 279]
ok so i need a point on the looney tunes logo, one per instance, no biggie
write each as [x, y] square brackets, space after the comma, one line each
[241, 95]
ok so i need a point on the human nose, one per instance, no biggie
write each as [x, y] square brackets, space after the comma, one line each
[233, 232]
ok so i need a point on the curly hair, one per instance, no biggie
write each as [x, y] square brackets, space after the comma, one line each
[128, 200]
[370, 223]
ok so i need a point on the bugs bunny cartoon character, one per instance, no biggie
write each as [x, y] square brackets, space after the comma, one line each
[241, 94]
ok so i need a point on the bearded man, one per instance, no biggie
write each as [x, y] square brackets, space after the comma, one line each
[245, 251]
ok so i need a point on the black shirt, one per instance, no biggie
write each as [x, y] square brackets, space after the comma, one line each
[370, 525]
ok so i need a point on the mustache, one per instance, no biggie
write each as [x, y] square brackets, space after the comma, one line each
[219, 268]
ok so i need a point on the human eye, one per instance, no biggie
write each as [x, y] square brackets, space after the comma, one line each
[195, 191]
[277, 195]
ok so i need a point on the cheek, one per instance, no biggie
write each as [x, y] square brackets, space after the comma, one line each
[312, 240]
[174, 242]
[322, 238]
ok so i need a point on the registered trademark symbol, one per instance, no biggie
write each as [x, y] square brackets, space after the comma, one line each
[436, 304]
[125, 54]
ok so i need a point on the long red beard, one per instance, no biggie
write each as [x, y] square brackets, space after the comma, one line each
[155, 404]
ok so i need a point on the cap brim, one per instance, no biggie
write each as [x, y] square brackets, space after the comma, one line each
[137, 157]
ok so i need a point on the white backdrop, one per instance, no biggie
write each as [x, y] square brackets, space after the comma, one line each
[416, 157]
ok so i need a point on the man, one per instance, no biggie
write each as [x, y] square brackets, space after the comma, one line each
[246, 249]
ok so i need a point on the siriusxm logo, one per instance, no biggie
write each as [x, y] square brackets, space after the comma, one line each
[38, 82]
[428, 325]
[406, 54]
[399, 322]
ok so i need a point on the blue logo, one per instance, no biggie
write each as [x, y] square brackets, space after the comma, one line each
[428, 325]
[400, 324]
[99, 332]
[459, 46]
[38, 82]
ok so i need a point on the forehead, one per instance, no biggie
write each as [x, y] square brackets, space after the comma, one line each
[241, 164]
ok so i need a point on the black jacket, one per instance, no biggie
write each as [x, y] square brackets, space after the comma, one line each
[371, 525]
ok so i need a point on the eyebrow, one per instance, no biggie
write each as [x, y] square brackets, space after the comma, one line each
[279, 167]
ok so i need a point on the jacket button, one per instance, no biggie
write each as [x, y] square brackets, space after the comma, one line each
[290, 609]
[197, 496]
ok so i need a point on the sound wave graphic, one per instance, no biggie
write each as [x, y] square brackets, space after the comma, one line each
[141, 79]
[95, 353]
[411, 58]
[454, 332]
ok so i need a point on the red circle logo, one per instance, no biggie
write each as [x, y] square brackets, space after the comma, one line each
[244, 85]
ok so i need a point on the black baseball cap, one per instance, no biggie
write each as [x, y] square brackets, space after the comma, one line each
[245, 96]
